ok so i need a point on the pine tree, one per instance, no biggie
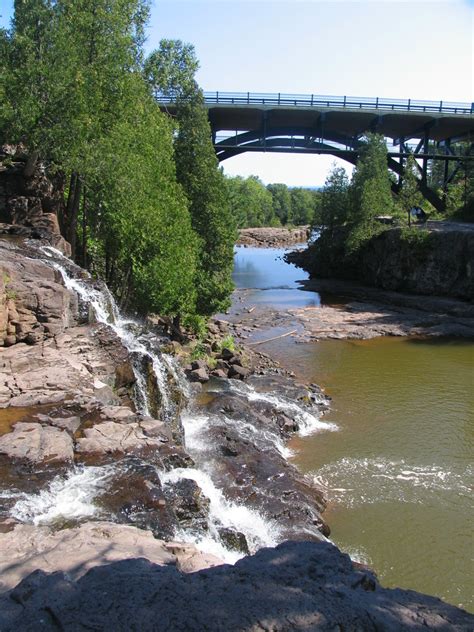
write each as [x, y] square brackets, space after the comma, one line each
[170, 71]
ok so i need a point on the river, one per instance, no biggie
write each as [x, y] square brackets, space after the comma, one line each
[398, 473]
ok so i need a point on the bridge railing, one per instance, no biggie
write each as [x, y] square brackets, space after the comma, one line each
[314, 100]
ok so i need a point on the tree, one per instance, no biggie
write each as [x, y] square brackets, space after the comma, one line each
[251, 202]
[409, 194]
[303, 205]
[371, 188]
[370, 191]
[151, 249]
[334, 208]
[281, 202]
[170, 70]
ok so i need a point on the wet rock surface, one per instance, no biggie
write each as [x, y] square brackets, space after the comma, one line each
[296, 586]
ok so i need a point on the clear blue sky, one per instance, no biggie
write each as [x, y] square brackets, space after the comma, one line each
[398, 48]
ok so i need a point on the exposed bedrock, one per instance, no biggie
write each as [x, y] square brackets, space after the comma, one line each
[439, 263]
[31, 200]
[296, 586]
[269, 237]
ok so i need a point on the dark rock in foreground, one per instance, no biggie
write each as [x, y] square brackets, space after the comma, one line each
[297, 586]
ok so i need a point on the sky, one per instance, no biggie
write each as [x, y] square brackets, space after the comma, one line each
[396, 48]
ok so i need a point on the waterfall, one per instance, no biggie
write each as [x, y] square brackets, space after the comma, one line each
[105, 310]
[73, 496]
[307, 421]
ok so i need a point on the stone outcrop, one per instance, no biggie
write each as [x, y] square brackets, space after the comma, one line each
[30, 199]
[74, 551]
[34, 304]
[269, 237]
[440, 263]
[296, 586]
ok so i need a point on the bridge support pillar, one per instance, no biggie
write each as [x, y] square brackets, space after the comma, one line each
[424, 169]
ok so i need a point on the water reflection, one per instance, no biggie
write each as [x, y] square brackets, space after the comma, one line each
[274, 282]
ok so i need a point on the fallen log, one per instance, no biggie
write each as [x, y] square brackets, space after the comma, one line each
[261, 342]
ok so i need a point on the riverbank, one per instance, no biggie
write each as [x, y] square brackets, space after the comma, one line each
[269, 237]
[351, 311]
[109, 433]
[403, 410]
[432, 260]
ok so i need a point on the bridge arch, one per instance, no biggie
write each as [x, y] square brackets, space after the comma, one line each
[314, 124]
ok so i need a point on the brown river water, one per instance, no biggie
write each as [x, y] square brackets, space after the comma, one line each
[398, 473]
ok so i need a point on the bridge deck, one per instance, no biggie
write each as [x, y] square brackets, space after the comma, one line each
[345, 116]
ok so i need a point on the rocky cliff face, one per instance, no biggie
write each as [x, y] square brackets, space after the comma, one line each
[30, 199]
[440, 263]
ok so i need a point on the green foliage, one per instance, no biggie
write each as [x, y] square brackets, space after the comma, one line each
[144, 221]
[334, 207]
[281, 202]
[370, 192]
[255, 205]
[409, 194]
[154, 217]
[418, 240]
[203, 182]
[250, 202]
[227, 342]
[170, 69]
[72, 73]
[303, 205]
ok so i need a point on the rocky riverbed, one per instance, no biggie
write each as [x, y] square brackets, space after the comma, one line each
[105, 443]
[99, 406]
[351, 311]
[269, 237]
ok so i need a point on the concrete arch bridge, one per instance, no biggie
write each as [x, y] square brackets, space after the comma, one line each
[312, 124]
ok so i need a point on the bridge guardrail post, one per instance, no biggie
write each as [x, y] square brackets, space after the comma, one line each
[409, 102]
[440, 106]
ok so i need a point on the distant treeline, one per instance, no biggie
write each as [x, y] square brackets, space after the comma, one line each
[254, 204]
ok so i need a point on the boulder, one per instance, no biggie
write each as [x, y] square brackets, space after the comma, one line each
[37, 443]
[198, 375]
[111, 437]
[26, 548]
[238, 372]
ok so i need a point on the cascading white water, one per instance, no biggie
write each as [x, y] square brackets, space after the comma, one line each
[105, 311]
[65, 498]
[73, 496]
[258, 531]
[308, 422]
